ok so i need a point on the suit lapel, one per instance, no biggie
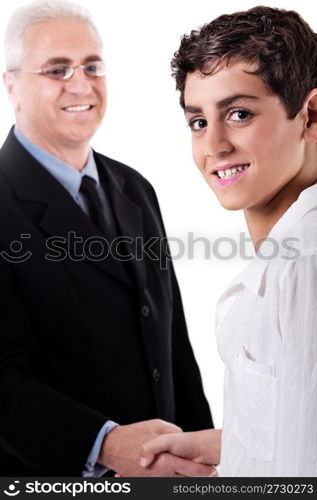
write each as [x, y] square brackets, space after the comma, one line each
[62, 215]
[67, 221]
[127, 213]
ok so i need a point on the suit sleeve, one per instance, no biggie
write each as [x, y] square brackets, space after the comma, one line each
[28, 405]
[192, 409]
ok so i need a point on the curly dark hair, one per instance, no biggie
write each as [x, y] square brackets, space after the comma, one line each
[280, 41]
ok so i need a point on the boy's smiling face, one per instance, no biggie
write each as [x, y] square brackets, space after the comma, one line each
[237, 123]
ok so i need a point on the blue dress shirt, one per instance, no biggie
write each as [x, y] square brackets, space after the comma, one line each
[70, 178]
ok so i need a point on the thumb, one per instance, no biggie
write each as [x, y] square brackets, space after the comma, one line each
[154, 447]
[147, 460]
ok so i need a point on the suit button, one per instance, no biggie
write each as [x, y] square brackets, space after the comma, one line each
[156, 375]
[145, 310]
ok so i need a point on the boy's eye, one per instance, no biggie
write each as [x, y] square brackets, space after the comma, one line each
[238, 115]
[198, 124]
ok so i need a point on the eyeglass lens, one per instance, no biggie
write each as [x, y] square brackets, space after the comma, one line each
[64, 71]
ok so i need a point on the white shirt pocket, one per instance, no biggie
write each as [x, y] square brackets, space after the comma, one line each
[255, 406]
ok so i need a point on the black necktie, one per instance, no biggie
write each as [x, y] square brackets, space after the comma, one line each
[96, 209]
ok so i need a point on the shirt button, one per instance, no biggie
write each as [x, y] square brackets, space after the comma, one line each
[145, 310]
[156, 375]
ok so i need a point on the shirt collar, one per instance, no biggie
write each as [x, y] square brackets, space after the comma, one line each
[253, 275]
[306, 202]
[67, 175]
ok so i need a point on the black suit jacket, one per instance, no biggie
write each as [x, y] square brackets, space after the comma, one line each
[84, 340]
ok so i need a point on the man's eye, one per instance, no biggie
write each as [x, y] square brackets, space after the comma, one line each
[198, 124]
[56, 71]
[91, 68]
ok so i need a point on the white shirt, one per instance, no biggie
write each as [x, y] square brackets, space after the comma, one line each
[266, 328]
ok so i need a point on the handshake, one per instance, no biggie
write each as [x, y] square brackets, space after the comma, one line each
[155, 448]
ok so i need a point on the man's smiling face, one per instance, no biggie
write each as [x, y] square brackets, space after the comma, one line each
[65, 113]
[243, 142]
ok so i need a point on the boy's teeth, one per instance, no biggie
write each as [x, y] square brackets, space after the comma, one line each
[229, 172]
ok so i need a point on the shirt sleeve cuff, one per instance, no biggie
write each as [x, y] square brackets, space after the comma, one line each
[92, 469]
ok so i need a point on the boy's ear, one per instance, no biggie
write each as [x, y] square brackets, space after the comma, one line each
[310, 132]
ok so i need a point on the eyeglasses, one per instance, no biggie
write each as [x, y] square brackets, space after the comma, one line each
[65, 71]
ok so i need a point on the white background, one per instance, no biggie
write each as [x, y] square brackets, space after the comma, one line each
[145, 128]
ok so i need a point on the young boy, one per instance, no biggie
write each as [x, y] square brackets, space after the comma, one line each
[248, 84]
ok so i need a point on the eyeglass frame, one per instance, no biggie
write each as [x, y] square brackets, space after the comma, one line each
[42, 71]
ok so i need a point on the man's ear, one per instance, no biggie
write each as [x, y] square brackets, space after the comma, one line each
[310, 132]
[10, 82]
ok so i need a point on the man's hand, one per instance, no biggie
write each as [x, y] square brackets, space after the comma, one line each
[121, 451]
[200, 447]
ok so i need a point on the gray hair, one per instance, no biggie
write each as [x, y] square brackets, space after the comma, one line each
[33, 13]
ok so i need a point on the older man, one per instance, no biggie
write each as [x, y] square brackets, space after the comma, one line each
[95, 357]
